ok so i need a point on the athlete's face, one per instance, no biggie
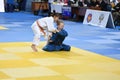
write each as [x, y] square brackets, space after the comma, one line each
[61, 26]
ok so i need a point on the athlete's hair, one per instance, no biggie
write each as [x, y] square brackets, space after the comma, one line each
[59, 21]
[55, 14]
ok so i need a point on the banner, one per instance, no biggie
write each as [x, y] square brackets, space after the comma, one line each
[57, 8]
[2, 9]
[99, 18]
[66, 11]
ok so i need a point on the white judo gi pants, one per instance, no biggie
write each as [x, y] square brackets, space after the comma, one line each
[37, 34]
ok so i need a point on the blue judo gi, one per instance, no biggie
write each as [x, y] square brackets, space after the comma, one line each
[56, 42]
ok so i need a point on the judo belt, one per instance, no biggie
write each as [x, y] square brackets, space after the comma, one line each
[41, 29]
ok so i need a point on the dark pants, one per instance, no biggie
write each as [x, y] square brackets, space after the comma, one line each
[52, 47]
[49, 11]
[116, 18]
[9, 8]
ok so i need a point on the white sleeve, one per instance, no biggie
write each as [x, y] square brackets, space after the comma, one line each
[50, 26]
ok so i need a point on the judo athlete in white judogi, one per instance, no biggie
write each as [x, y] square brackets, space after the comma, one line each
[42, 27]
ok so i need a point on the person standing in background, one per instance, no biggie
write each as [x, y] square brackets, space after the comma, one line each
[80, 3]
[65, 1]
[102, 4]
[93, 3]
[49, 3]
[9, 5]
[117, 6]
[70, 2]
[116, 13]
[19, 4]
[87, 3]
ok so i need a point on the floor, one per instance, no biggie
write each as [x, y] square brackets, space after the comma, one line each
[95, 53]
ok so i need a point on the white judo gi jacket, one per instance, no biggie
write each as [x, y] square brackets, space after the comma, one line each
[47, 24]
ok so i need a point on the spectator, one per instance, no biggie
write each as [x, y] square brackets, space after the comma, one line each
[9, 5]
[87, 2]
[19, 4]
[117, 6]
[93, 3]
[112, 3]
[71, 2]
[102, 4]
[49, 3]
[80, 3]
[116, 13]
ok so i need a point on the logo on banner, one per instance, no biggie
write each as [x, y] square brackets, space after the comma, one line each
[101, 17]
[89, 17]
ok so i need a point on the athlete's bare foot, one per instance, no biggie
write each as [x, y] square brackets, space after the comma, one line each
[34, 48]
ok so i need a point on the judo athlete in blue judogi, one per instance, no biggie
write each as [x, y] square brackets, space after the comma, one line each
[55, 43]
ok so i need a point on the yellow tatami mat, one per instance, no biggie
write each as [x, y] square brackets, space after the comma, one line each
[19, 62]
[3, 28]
